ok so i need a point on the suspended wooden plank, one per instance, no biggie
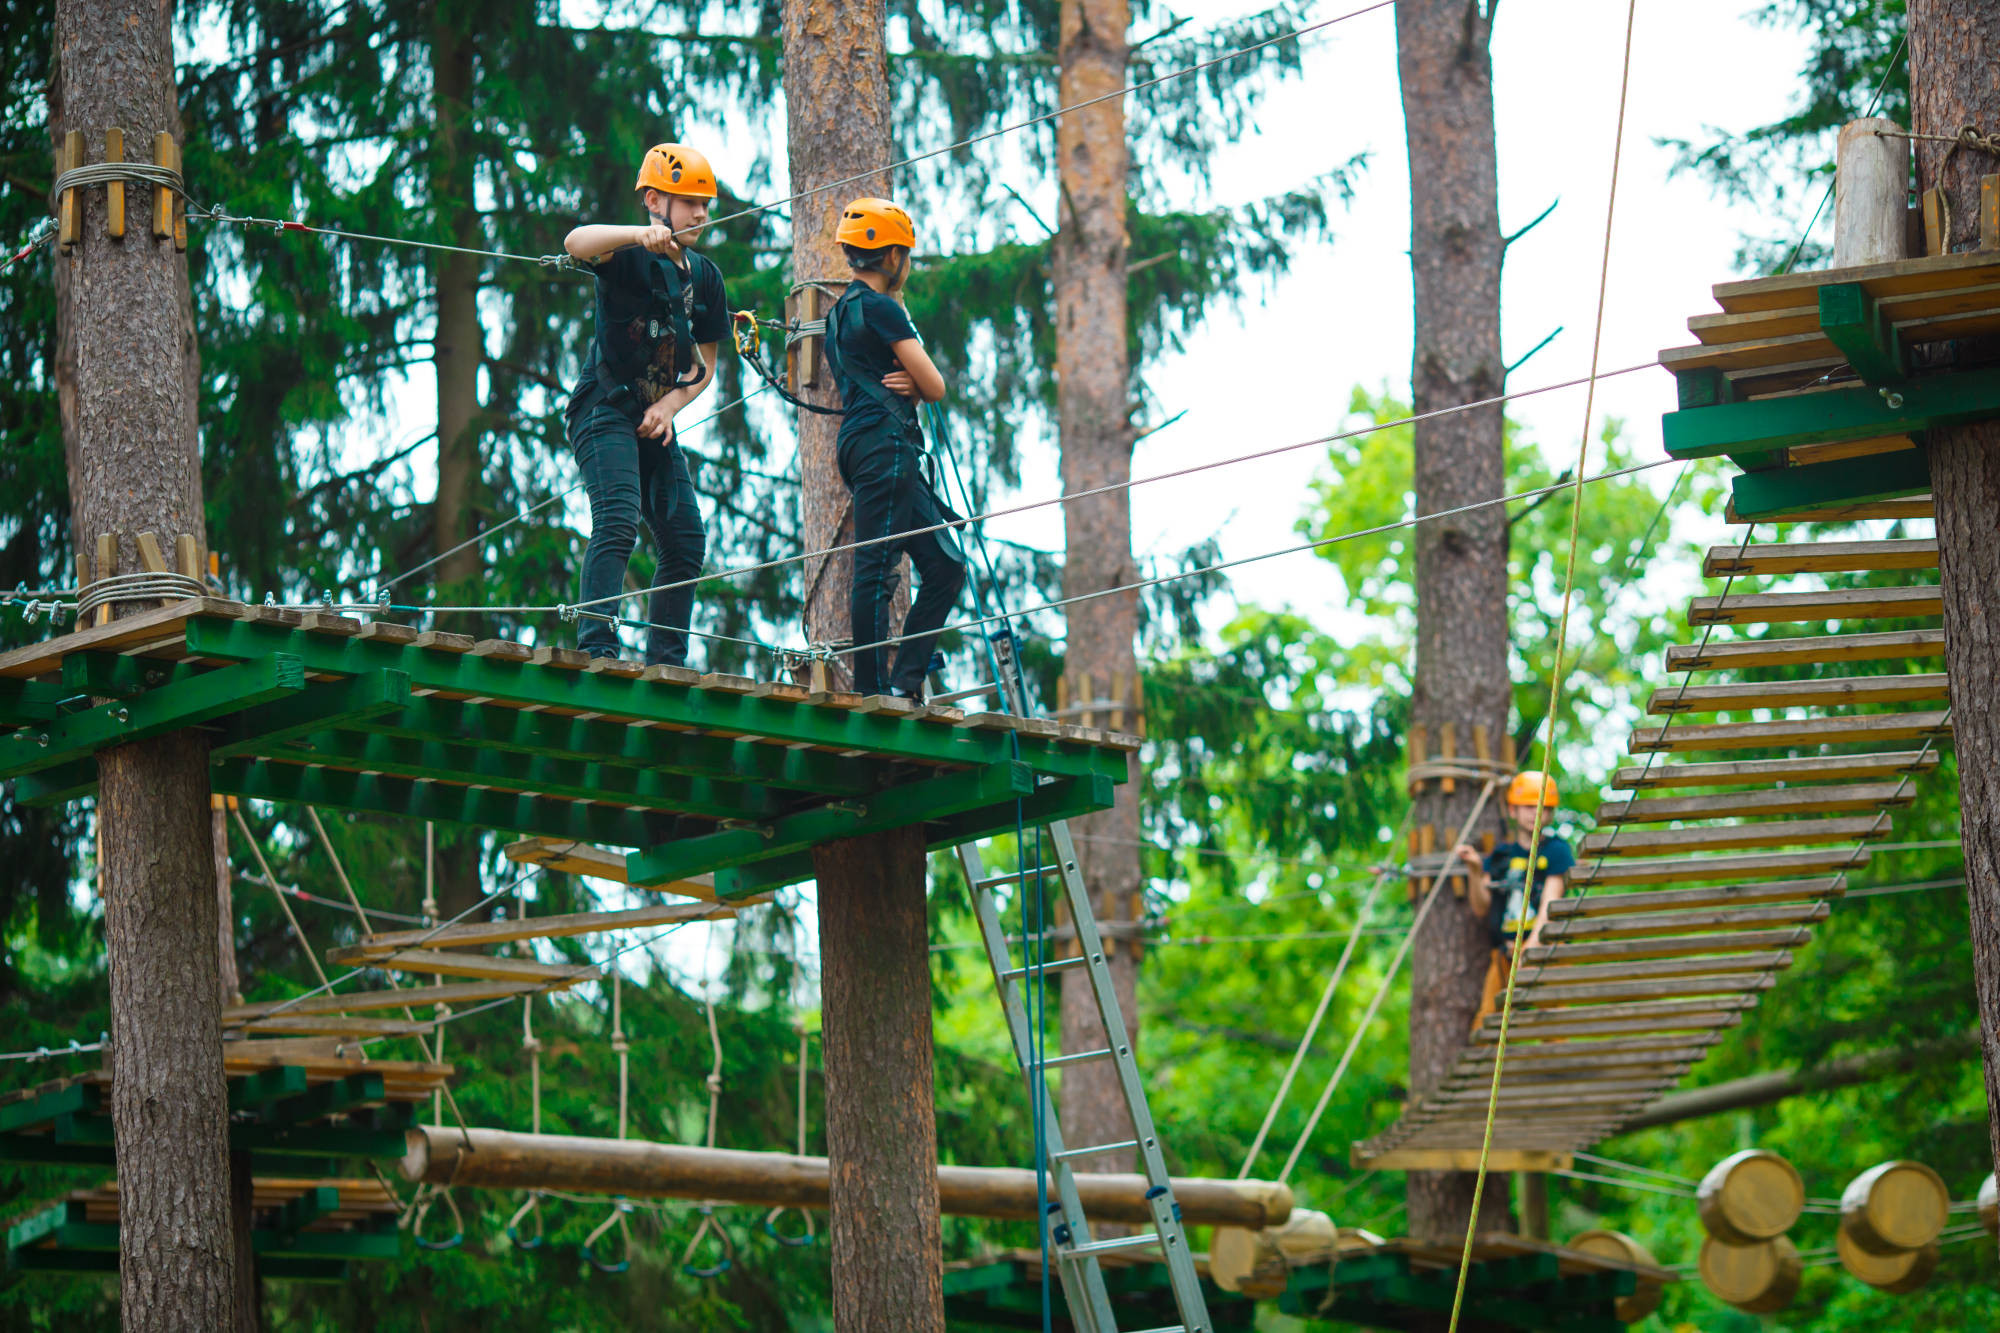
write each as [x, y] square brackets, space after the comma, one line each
[336, 1025]
[1807, 650]
[421, 997]
[1460, 1159]
[1808, 768]
[1706, 869]
[1544, 995]
[580, 858]
[444, 963]
[1628, 841]
[1609, 1082]
[1916, 506]
[1666, 946]
[1650, 924]
[1604, 1027]
[1470, 1074]
[1589, 1054]
[1721, 895]
[1535, 1021]
[1775, 608]
[1838, 798]
[1827, 692]
[1876, 727]
[1778, 558]
[482, 934]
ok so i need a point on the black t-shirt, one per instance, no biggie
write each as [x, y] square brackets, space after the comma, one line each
[631, 328]
[870, 324]
[1511, 884]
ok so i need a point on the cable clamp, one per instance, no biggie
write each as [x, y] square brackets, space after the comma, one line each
[566, 613]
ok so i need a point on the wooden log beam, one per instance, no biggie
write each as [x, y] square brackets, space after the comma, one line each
[1671, 946]
[1722, 895]
[1674, 869]
[504, 1160]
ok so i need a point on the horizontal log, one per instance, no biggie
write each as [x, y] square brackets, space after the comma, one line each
[1764, 1089]
[1666, 946]
[1627, 841]
[334, 1025]
[503, 1160]
[1647, 924]
[1807, 650]
[1777, 558]
[1809, 768]
[447, 963]
[1826, 692]
[1780, 608]
[1722, 895]
[1678, 869]
[1874, 727]
[1836, 798]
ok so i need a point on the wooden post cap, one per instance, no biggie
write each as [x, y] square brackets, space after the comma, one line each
[1898, 1273]
[1750, 1196]
[1895, 1207]
[1761, 1278]
[1989, 1205]
[1259, 1263]
[1616, 1245]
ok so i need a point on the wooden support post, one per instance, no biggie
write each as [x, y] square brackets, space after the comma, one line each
[169, 218]
[1447, 752]
[1534, 1186]
[107, 565]
[802, 354]
[114, 191]
[1989, 212]
[151, 558]
[69, 209]
[1871, 190]
[1933, 206]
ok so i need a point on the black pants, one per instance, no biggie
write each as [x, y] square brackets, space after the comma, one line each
[885, 474]
[629, 480]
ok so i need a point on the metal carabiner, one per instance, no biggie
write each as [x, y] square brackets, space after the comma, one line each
[708, 1224]
[795, 1242]
[616, 1219]
[531, 1207]
[423, 1208]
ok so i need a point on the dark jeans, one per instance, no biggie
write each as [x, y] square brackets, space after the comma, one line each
[629, 479]
[890, 495]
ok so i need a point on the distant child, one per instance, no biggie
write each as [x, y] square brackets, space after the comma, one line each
[1502, 888]
[882, 371]
[661, 313]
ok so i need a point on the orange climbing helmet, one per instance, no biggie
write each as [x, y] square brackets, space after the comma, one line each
[673, 168]
[870, 224]
[1532, 789]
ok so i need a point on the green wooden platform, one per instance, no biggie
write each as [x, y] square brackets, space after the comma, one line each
[693, 773]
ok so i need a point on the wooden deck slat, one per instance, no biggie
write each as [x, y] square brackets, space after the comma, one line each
[1553, 993]
[1646, 925]
[1665, 946]
[480, 934]
[415, 997]
[444, 962]
[1884, 281]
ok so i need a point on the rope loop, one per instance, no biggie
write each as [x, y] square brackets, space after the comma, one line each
[708, 1225]
[422, 1211]
[106, 173]
[799, 1241]
[531, 1207]
[139, 586]
[616, 1219]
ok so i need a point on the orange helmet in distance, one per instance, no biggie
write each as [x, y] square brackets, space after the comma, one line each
[870, 224]
[1532, 789]
[673, 168]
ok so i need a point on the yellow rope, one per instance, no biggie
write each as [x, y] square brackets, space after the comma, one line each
[1556, 674]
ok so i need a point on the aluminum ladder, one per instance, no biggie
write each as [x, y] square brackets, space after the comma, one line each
[1071, 1248]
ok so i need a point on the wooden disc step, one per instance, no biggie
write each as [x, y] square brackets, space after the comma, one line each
[1779, 558]
[1873, 728]
[1829, 692]
[1807, 650]
[1776, 608]
[1838, 798]
[482, 934]
[1628, 841]
[1757, 772]
[1642, 925]
[1682, 900]
[1706, 869]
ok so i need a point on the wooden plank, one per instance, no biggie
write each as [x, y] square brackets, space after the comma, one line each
[1802, 455]
[1548, 994]
[443, 963]
[1697, 870]
[1569, 1096]
[1772, 960]
[1675, 1022]
[1531, 1023]
[1885, 281]
[480, 934]
[1809, 768]
[1590, 1053]
[1774, 608]
[1917, 506]
[1807, 649]
[1665, 946]
[1630, 841]
[1460, 1159]
[1839, 798]
[580, 858]
[465, 992]
[1587, 1079]
[336, 1025]
[1872, 728]
[1651, 924]
[1719, 330]
[1818, 558]
[41, 659]
[1827, 692]
[1672, 900]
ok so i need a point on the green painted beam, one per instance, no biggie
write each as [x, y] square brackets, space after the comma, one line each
[44, 1107]
[317, 707]
[26, 702]
[59, 785]
[327, 1245]
[45, 1151]
[267, 1086]
[1766, 425]
[113, 676]
[686, 706]
[1852, 322]
[537, 816]
[172, 707]
[555, 736]
[329, 1098]
[319, 1141]
[1774, 491]
[468, 766]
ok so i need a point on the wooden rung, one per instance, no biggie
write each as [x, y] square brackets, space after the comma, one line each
[580, 858]
[1875, 727]
[1838, 767]
[479, 934]
[1627, 841]
[337, 1025]
[1618, 1048]
[1460, 1159]
[1519, 1098]
[1776, 608]
[1543, 995]
[1916, 506]
[1818, 558]
[1831, 692]
[1770, 960]
[1810, 649]
[1587, 1079]
[1616, 1013]
[1840, 798]
[1651, 924]
[1665, 1023]
[1665, 946]
[443, 963]
[1721, 895]
[1697, 870]
[416, 997]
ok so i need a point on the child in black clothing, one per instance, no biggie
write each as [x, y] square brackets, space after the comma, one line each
[1503, 888]
[882, 371]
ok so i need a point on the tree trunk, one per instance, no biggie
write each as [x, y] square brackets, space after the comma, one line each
[135, 466]
[1093, 408]
[881, 1125]
[1446, 70]
[242, 1225]
[837, 123]
[1954, 45]
[229, 983]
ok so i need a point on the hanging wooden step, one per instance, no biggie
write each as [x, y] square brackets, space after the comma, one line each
[414, 997]
[1839, 798]
[1916, 506]
[1697, 870]
[1771, 960]
[1593, 1053]
[1701, 1017]
[1651, 924]
[1757, 772]
[1831, 692]
[482, 934]
[1628, 841]
[1778, 608]
[1666, 946]
[1676, 900]
[331, 1025]
[1548, 994]
[581, 858]
[1807, 650]
[1818, 558]
[1876, 727]
[445, 963]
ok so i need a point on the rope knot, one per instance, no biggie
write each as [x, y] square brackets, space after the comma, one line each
[714, 1082]
[532, 1045]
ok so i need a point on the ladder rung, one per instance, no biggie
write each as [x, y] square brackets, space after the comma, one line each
[1170, 1328]
[1068, 1153]
[1112, 1246]
[973, 693]
[1016, 876]
[1058, 965]
[1080, 1058]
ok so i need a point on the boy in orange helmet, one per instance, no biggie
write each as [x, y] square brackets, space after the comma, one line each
[1501, 887]
[883, 371]
[661, 312]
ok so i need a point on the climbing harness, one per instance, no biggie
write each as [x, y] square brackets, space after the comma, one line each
[707, 1209]
[531, 1206]
[771, 1218]
[668, 321]
[621, 1208]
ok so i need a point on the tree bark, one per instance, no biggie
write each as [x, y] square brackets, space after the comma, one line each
[242, 1225]
[881, 1126]
[1446, 70]
[1093, 410]
[134, 466]
[1954, 45]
